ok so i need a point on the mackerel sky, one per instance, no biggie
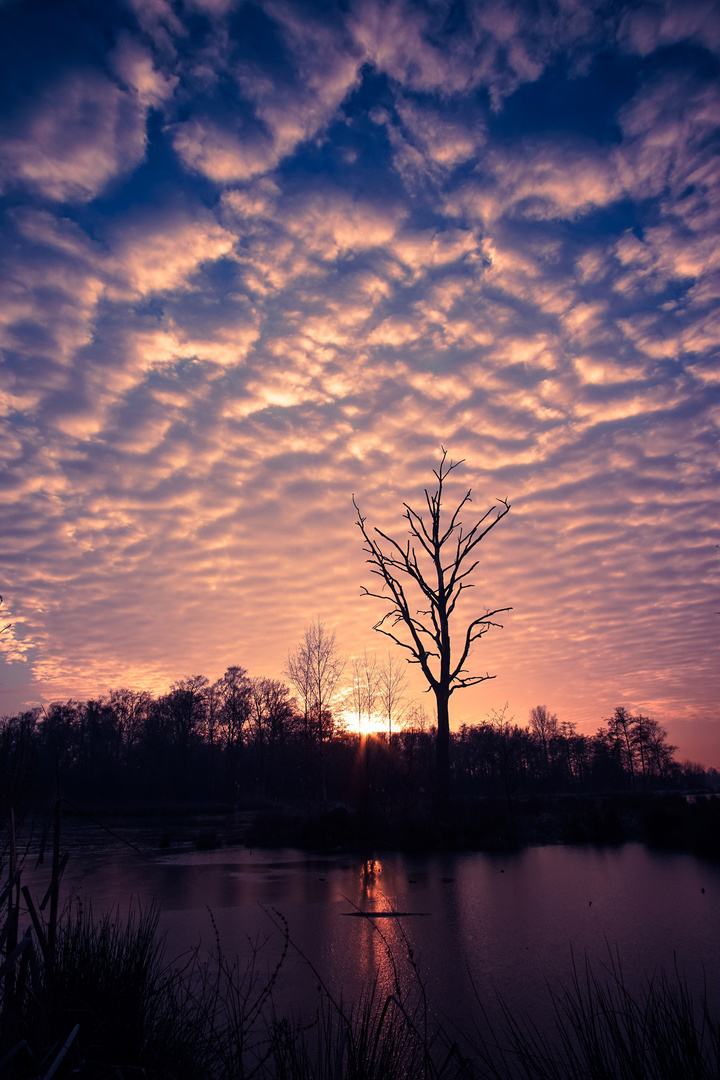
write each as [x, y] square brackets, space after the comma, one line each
[257, 256]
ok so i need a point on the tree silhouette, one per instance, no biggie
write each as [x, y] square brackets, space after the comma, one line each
[544, 726]
[314, 669]
[365, 686]
[392, 692]
[434, 565]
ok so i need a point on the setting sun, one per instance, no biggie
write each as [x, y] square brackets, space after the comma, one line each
[364, 725]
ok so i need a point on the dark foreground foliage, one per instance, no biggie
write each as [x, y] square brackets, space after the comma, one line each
[111, 1008]
[603, 1032]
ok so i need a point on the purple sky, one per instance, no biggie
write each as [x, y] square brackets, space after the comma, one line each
[255, 257]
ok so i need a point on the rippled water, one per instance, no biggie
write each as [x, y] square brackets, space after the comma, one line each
[477, 924]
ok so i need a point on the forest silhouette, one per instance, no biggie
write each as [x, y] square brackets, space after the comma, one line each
[246, 743]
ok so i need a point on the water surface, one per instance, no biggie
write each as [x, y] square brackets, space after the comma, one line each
[477, 924]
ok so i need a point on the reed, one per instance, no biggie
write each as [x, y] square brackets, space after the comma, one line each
[604, 1031]
[86, 996]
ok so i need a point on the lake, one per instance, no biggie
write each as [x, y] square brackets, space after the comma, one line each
[477, 923]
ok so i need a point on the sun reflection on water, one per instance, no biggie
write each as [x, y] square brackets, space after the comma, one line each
[369, 875]
[381, 946]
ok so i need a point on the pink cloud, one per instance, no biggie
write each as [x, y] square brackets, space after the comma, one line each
[160, 22]
[543, 181]
[501, 52]
[333, 224]
[285, 114]
[326, 70]
[444, 141]
[134, 65]
[667, 127]
[53, 297]
[650, 26]
[220, 154]
[393, 38]
[80, 135]
[156, 256]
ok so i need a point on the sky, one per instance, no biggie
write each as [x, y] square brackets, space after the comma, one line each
[257, 257]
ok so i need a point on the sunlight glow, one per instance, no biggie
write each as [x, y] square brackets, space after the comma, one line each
[375, 724]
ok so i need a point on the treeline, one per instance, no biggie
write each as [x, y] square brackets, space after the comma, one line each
[244, 740]
[627, 753]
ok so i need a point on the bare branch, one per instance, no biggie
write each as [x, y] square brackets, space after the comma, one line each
[4, 628]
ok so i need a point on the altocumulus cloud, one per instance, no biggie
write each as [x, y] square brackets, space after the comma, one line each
[257, 256]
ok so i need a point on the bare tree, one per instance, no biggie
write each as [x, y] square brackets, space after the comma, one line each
[132, 708]
[187, 709]
[233, 689]
[544, 725]
[271, 715]
[233, 707]
[357, 690]
[621, 728]
[298, 669]
[314, 669]
[416, 720]
[392, 691]
[365, 685]
[505, 729]
[434, 565]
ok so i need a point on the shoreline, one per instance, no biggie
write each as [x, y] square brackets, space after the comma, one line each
[687, 822]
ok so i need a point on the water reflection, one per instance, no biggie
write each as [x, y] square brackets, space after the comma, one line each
[497, 923]
[382, 947]
[370, 877]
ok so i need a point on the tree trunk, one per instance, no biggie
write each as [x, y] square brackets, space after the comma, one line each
[442, 748]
